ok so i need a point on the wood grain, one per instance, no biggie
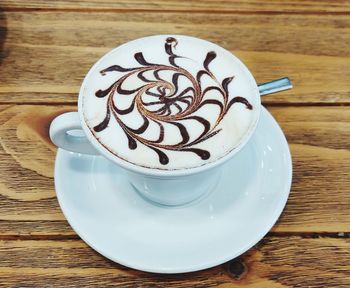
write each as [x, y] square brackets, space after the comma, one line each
[46, 48]
[321, 157]
[312, 51]
[319, 200]
[187, 5]
[26, 180]
[274, 262]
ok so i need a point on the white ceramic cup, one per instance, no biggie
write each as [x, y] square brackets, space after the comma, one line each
[165, 187]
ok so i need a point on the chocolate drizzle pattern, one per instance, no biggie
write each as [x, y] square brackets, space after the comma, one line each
[170, 104]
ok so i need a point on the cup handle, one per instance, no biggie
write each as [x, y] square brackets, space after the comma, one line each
[64, 134]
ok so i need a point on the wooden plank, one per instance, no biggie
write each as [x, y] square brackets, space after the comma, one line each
[36, 229]
[26, 180]
[47, 54]
[320, 150]
[274, 262]
[187, 5]
[319, 200]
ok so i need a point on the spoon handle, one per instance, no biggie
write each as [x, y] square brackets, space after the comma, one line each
[275, 86]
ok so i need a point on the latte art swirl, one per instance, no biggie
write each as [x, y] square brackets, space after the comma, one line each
[167, 96]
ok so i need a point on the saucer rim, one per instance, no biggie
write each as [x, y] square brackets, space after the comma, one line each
[284, 195]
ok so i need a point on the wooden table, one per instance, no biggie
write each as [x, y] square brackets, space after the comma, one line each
[46, 49]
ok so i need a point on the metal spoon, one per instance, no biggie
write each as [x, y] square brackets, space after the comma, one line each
[275, 86]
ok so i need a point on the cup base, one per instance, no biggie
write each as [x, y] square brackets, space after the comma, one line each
[166, 200]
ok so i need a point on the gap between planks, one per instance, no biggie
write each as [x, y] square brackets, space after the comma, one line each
[199, 11]
[268, 104]
[305, 235]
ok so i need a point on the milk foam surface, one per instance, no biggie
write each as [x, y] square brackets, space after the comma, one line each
[169, 102]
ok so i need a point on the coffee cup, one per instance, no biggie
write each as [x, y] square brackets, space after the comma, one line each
[169, 110]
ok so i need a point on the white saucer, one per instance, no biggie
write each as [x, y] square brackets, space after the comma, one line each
[113, 219]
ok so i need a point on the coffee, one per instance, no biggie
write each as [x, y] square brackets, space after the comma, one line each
[170, 102]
